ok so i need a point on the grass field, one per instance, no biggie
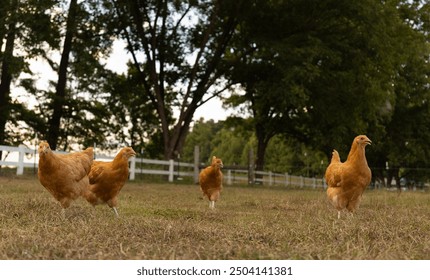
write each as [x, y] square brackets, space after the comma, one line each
[167, 221]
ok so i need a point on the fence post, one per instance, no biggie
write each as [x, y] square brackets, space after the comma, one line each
[229, 177]
[270, 178]
[132, 168]
[20, 169]
[286, 179]
[196, 164]
[302, 181]
[251, 169]
[314, 183]
[171, 170]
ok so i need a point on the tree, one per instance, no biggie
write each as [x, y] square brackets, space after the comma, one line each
[8, 17]
[232, 146]
[183, 45]
[293, 157]
[71, 109]
[202, 134]
[231, 141]
[24, 29]
[317, 71]
[404, 147]
[132, 117]
[219, 139]
[354, 93]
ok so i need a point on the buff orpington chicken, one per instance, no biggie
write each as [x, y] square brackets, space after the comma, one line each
[210, 180]
[108, 178]
[65, 176]
[347, 181]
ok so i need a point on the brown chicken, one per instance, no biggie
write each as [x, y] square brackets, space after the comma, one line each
[65, 176]
[347, 181]
[210, 180]
[108, 178]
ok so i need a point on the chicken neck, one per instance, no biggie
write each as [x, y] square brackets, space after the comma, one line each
[357, 155]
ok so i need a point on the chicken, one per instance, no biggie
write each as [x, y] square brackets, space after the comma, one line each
[210, 180]
[108, 178]
[347, 181]
[65, 176]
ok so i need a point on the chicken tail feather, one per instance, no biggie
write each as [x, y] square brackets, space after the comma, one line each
[335, 156]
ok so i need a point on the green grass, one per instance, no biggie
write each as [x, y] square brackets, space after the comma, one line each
[167, 221]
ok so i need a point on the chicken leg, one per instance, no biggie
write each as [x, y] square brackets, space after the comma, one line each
[116, 212]
[212, 204]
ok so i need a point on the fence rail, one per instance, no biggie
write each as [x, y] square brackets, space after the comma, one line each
[22, 157]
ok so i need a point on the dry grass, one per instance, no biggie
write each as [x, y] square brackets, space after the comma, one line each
[163, 221]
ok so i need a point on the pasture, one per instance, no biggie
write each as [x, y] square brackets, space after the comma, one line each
[170, 221]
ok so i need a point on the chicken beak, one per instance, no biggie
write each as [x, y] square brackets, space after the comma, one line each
[369, 142]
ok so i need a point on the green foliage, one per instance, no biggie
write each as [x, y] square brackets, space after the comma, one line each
[21, 38]
[202, 135]
[405, 141]
[220, 140]
[295, 158]
[322, 72]
[317, 71]
[132, 118]
[232, 145]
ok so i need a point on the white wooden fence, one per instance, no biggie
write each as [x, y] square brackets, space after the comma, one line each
[22, 157]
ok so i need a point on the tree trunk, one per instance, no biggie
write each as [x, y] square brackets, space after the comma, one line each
[177, 138]
[6, 75]
[261, 152]
[262, 142]
[389, 178]
[60, 93]
[396, 177]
